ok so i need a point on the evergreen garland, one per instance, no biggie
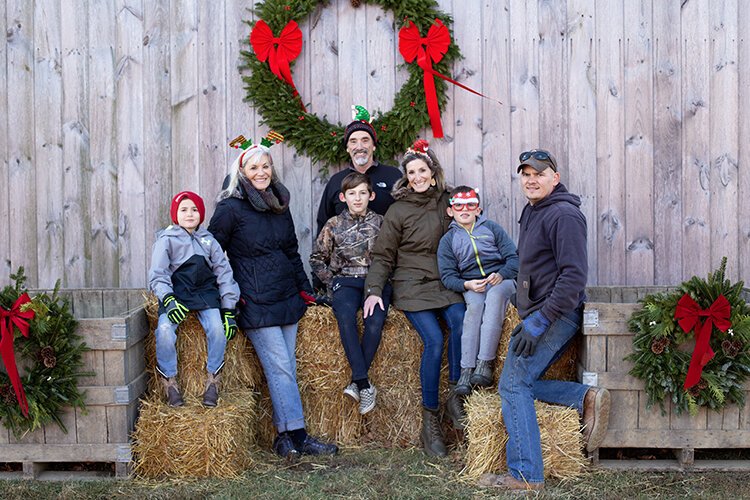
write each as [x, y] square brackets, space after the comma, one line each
[662, 364]
[315, 136]
[52, 355]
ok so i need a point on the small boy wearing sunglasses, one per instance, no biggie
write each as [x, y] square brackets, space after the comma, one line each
[477, 258]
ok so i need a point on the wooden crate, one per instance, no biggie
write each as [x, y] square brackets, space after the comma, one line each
[112, 322]
[606, 342]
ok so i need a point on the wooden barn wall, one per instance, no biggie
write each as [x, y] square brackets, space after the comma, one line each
[111, 106]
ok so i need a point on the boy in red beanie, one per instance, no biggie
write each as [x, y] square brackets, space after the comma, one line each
[189, 272]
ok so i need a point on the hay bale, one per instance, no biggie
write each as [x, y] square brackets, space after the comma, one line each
[559, 428]
[194, 441]
[241, 370]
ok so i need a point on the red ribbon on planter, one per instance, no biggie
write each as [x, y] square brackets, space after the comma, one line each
[428, 50]
[19, 319]
[688, 314]
[279, 51]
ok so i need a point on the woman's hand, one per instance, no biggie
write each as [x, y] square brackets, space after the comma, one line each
[370, 302]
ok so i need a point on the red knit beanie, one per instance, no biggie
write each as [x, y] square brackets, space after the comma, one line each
[191, 196]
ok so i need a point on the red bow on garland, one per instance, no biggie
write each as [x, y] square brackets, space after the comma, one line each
[19, 319]
[428, 50]
[279, 51]
[688, 314]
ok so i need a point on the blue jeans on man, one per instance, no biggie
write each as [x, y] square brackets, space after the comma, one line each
[348, 298]
[520, 385]
[427, 326]
[166, 337]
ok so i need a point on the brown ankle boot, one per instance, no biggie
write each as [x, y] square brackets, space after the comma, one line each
[432, 434]
[172, 391]
[211, 394]
[454, 408]
[596, 405]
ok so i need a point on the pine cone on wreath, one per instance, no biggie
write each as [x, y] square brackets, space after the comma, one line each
[7, 395]
[356, 3]
[658, 345]
[48, 357]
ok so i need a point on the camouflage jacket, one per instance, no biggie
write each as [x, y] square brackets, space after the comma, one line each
[344, 246]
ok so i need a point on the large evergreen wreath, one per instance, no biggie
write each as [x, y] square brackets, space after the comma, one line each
[315, 136]
[51, 356]
[662, 350]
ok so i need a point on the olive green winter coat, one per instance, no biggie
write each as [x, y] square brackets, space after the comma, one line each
[406, 250]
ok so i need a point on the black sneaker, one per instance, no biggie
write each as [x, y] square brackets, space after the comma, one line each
[312, 446]
[284, 447]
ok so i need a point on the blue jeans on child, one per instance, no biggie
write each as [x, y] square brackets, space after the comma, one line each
[348, 297]
[428, 328]
[483, 322]
[275, 346]
[520, 385]
[166, 336]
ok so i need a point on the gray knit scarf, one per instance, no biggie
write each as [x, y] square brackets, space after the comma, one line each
[274, 198]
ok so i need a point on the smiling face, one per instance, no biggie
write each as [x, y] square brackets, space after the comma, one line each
[419, 175]
[188, 216]
[536, 185]
[259, 172]
[357, 199]
[465, 213]
[360, 147]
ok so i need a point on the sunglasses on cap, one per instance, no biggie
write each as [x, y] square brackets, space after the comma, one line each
[464, 206]
[537, 155]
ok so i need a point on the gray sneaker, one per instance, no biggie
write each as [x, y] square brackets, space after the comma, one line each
[352, 391]
[367, 399]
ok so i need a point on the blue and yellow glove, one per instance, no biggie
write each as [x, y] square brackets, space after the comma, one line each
[528, 333]
[230, 325]
[176, 312]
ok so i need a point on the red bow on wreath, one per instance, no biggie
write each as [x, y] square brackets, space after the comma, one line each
[19, 319]
[688, 314]
[279, 51]
[428, 50]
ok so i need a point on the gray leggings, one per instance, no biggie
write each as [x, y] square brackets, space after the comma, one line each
[483, 322]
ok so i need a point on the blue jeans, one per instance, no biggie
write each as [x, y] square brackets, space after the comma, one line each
[275, 346]
[166, 336]
[520, 385]
[348, 298]
[428, 328]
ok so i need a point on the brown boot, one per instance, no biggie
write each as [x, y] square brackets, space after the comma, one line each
[211, 394]
[172, 391]
[596, 405]
[432, 434]
[454, 408]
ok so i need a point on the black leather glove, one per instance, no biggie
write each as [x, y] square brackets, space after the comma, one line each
[176, 312]
[528, 333]
[230, 325]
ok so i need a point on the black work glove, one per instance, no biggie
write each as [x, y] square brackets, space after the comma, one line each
[230, 325]
[528, 333]
[176, 312]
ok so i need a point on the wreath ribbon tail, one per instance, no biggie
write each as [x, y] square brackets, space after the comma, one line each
[702, 354]
[286, 75]
[433, 108]
[19, 319]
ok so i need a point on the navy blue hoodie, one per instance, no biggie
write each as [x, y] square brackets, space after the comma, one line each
[553, 262]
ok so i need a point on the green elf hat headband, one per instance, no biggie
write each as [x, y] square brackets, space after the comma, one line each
[246, 145]
[362, 121]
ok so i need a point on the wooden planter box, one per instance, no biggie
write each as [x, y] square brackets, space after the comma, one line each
[113, 325]
[606, 341]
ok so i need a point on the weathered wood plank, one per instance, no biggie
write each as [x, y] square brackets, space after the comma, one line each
[638, 143]
[608, 319]
[743, 115]
[618, 347]
[76, 262]
[446, 148]
[48, 141]
[650, 418]
[53, 434]
[696, 163]
[723, 138]
[130, 141]
[20, 151]
[114, 303]
[553, 76]
[675, 438]
[62, 452]
[87, 303]
[5, 269]
[582, 120]
[91, 425]
[626, 416]
[667, 144]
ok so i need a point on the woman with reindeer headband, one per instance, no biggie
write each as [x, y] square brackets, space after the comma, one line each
[253, 224]
[406, 250]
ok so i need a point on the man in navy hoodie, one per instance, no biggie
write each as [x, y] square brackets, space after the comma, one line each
[550, 299]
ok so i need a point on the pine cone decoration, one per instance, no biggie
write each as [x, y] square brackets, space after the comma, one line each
[702, 384]
[356, 3]
[48, 357]
[658, 345]
[694, 391]
[7, 395]
[731, 348]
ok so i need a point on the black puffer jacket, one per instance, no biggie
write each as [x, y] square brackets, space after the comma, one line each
[263, 252]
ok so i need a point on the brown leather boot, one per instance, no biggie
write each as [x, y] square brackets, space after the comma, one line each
[454, 408]
[432, 434]
[596, 405]
[211, 394]
[171, 391]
